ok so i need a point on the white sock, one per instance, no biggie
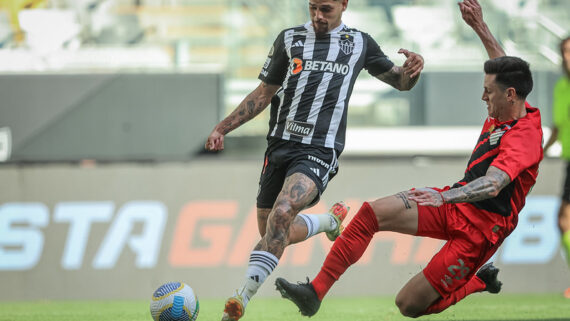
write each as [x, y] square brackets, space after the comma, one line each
[261, 264]
[317, 223]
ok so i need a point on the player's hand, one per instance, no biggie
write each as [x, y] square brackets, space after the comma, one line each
[215, 141]
[414, 63]
[426, 197]
[471, 13]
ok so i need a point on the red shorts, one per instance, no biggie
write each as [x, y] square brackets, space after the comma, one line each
[462, 255]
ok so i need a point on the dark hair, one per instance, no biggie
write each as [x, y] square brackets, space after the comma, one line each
[511, 72]
[564, 69]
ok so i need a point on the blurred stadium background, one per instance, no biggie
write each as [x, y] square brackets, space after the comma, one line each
[105, 191]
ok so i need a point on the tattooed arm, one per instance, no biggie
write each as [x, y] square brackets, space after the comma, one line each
[482, 188]
[405, 77]
[479, 189]
[250, 107]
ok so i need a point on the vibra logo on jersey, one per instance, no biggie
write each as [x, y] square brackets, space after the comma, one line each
[318, 65]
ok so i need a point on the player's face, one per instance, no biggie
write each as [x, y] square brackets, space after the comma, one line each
[494, 96]
[326, 14]
[566, 54]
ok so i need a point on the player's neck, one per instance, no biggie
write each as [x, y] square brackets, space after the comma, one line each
[516, 111]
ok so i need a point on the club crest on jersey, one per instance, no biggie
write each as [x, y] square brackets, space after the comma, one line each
[346, 44]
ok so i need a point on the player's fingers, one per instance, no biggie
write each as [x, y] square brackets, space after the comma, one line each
[470, 5]
[404, 51]
[424, 203]
[419, 197]
[415, 68]
[212, 144]
[408, 63]
[415, 62]
[412, 194]
[474, 3]
[208, 145]
[415, 73]
[465, 6]
[411, 61]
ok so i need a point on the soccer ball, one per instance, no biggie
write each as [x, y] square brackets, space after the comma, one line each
[174, 301]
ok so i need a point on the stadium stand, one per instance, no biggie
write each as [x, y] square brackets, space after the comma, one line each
[232, 37]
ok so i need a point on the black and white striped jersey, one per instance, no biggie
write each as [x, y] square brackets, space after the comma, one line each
[317, 76]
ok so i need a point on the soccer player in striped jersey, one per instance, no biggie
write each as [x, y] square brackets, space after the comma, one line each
[474, 215]
[307, 78]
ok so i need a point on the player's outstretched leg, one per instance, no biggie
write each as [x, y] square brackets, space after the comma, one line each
[488, 274]
[302, 294]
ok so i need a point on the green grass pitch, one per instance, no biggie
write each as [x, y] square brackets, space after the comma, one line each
[549, 307]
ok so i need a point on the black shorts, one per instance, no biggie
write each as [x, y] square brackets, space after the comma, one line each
[320, 164]
[566, 187]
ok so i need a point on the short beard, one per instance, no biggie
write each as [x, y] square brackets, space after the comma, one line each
[320, 34]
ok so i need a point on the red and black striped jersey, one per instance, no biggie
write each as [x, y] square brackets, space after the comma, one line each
[514, 147]
[317, 75]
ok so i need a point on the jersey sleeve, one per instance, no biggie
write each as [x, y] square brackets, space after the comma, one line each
[275, 68]
[519, 149]
[376, 62]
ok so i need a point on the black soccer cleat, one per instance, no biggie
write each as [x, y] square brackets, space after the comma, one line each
[488, 273]
[302, 294]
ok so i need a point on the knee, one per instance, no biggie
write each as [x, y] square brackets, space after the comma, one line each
[282, 208]
[382, 211]
[407, 308]
[280, 218]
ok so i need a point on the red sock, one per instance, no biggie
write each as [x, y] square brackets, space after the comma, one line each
[474, 285]
[347, 249]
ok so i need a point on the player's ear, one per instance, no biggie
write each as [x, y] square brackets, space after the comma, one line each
[511, 95]
[344, 4]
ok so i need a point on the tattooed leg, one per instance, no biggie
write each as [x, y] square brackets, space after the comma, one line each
[298, 192]
[404, 197]
[297, 231]
[396, 213]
